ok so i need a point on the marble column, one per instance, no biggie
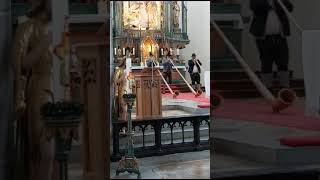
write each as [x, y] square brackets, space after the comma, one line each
[5, 86]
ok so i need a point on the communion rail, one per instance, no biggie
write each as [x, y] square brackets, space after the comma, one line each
[157, 126]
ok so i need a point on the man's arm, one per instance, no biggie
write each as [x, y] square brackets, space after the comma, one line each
[288, 5]
[259, 7]
[190, 63]
[199, 62]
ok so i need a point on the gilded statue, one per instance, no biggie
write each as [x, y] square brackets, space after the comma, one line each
[32, 62]
[119, 81]
[176, 13]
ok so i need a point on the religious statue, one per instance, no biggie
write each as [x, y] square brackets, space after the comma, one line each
[32, 62]
[142, 14]
[119, 81]
[176, 13]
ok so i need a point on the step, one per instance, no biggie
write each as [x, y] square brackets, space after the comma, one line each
[235, 74]
[259, 142]
[228, 75]
[247, 84]
[265, 152]
[252, 93]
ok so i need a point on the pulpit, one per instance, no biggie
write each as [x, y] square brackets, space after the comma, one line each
[148, 91]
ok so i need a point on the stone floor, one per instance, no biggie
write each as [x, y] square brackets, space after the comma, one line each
[193, 165]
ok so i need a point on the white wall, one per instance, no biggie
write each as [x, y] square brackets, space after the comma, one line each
[198, 25]
[306, 13]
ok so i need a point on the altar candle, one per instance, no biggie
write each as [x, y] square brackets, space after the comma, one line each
[178, 52]
[115, 51]
[133, 51]
[162, 51]
[124, 51]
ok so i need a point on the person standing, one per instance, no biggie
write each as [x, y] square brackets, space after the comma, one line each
[194, 71]
[167, 69]
[270, 27]
[151, 60]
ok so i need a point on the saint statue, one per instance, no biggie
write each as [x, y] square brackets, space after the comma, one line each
[176, 13]
[119, 81]
[32, 62]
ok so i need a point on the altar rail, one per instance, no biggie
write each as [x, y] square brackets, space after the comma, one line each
[158, 125]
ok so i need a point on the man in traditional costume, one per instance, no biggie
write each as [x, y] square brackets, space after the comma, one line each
[271, 27]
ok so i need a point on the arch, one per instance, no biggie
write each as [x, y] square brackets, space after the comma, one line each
[149, 44]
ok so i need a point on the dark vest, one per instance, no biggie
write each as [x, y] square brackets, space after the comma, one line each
[261, 10]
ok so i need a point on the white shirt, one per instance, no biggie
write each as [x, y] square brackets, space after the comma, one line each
[273, 24]
[195, 69]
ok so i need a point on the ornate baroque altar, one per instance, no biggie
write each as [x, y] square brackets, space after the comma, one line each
[141, 27]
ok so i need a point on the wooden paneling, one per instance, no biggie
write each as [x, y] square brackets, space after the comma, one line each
[149, 102]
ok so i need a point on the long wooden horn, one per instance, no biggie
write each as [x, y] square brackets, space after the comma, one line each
[286, 97]
[174, 93]
[196, 94]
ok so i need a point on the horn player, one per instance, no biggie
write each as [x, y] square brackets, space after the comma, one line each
[271, 27]
[194, 71]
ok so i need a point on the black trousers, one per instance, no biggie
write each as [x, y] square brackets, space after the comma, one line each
[195, 78]
[273, 49]
[168, 77]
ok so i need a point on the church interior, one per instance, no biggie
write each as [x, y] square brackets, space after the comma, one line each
[98, 89]
[170, 115]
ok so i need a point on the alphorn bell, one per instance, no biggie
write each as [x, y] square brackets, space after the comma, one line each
[196, 94]
[174, 93]
[286, 97]
[216, 99]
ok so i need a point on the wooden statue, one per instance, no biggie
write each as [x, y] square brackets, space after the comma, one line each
[33, 64]
[176, 13]
[119, 82]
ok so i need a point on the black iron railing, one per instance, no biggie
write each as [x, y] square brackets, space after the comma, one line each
[156, 127]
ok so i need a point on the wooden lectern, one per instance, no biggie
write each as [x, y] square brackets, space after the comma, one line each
[148, 91]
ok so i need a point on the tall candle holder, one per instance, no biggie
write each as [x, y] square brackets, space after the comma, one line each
[61, 122]
[129, 162]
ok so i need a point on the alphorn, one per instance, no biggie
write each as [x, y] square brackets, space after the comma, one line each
[174, 93]
[196, 94]
[285, 96]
